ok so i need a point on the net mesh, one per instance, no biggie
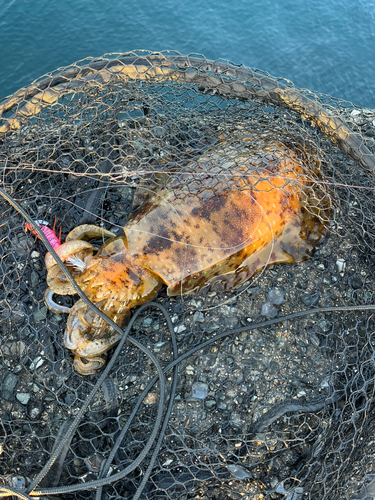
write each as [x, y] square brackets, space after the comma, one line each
[276, 407]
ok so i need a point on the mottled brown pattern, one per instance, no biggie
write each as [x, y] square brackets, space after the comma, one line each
[212, 228]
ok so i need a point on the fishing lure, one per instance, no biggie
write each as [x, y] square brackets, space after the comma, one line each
[55, 242]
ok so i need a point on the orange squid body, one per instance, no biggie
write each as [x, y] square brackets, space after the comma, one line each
[210, 226]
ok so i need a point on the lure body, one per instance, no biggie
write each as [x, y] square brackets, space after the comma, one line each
[53, 240]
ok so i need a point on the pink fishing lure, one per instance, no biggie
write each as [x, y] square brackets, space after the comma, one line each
[48, 233]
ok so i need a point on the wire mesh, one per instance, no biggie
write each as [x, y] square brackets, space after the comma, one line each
[274, 392]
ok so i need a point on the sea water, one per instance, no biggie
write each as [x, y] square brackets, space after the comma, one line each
[323, 45]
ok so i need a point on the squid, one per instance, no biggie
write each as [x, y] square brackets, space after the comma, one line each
[247, 202]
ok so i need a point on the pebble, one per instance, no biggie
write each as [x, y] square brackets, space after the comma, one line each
[21, 245]
[189, 370]
[23, 397]
[198, 317]
[199, 390]
[325, 326]
[314, 340]
[269, 310]
[196, 303]
[243, 335]
[221, 406]
[180, 328]
[37, 265]
[276, 296]
[367, 297]
[8, 385]
[341, 265]
[159, 345]
[229, 361]
[224, 310]
[37, 363]
[158, 132]
[151, 398]
[15, 348]
[147, 322]
[211, 403]
[310, 300]
[356, 282]
[40, 315]
[35, 254]
[34, 279]
[239, 472]
[16, 481]
[19, 314]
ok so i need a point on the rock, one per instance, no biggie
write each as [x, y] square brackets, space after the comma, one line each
[7, 385]
[18, 313]
[22, 245]
[23, 397]
[159, 346]
[198, 317]
[158, 132]
[314, 339]
[180, 328]
[276, 296]
[151, 398]
[310, 300]
[37, 265]
[196, 303]
[222, 406]
[57, 318]
[16, 349]
[229, 361]
[189, 370]
[40, 315]
[239, 472]
[325, 326]
[341, 265]
[200, 390]
[34, 279]
[147, 322]
[355, 282]
[269, 310]
[37, 363]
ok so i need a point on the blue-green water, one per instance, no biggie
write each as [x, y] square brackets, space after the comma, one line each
[324, 45]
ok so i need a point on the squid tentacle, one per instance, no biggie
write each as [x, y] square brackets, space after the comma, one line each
[90, 366]
[52, 305]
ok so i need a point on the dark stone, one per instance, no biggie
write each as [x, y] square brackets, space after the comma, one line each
[269, 310]
[310, 300]
[8, 384]
[276, 296]
[355, 282]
